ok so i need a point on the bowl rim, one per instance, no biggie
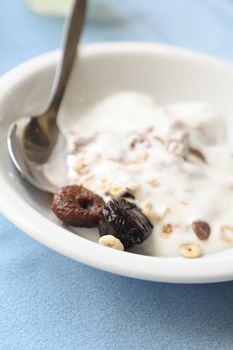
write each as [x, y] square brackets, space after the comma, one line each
[174, 269]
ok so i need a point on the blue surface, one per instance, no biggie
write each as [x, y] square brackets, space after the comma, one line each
[50, 302]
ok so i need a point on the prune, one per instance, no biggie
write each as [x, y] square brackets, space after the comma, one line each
[124, 220]
[77, 206]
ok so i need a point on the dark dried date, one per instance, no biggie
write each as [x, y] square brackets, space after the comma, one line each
[124, 220]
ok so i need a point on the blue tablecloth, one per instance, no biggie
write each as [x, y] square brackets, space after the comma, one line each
[48, 301]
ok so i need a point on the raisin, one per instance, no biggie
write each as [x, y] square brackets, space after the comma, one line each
[201, 229]
[77, 206]
[125, 221]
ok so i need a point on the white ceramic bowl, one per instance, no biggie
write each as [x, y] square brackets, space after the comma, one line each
[169, 74]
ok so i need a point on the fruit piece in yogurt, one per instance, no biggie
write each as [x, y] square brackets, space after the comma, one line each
[125, 221]
[77, 206]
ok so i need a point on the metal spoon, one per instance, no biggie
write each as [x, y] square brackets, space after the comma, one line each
[32, 140]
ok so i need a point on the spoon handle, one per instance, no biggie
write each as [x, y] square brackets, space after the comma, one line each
[71, 39]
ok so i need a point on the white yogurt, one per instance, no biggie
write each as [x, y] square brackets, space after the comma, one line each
[175, 159]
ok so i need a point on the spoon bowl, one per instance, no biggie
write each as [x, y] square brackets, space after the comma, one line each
[32, 140]
[25, 162]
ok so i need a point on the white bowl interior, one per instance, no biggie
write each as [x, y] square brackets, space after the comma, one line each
[169, 75]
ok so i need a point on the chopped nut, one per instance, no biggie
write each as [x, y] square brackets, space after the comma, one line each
[82, 141]
[178, 124]
[140, 139]
[140, 159]
[150, 212]
[177, 148]
[153, 182]
[159, 139]
[226, 233]
[201, 229]
[190, 251]
[184, 202]
[166, 230]
[178, 145]
[148, 206]
[111, 242]
[149, 129]
[80, 166]
[195, 152]
[164, 212]
[116, 191]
